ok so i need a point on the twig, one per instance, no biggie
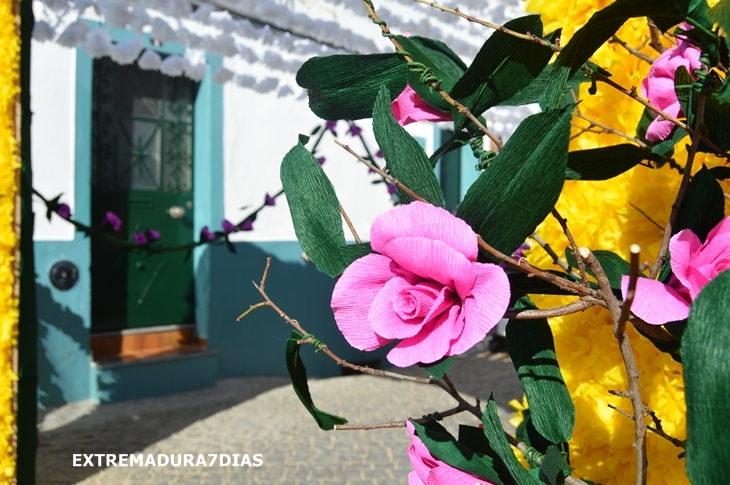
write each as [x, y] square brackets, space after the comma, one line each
[580, 305]
[551, 252]
[401, 424]
[634, 95]
[648, 217]
[566, 230]
[656, 42]
[682, 188]
[435, 84]
[627, 354]
[620, 326]
[349, 224]
[675, 441]
[608, 129]
[501, 28]
[294, 323]
[616, 39]
[727, 196]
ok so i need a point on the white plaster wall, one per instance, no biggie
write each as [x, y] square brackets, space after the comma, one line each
[53, 99]
[259, 129]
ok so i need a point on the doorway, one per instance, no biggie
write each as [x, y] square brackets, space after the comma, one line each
[142, 171]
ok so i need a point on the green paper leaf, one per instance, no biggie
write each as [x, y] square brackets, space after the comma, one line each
[455, 141]
[720, 173]
[445, 448]
[554, 470]
[599, 28]
[314, 210]
[404, 156]
[438, 369]
[344, 87]
[528, 434]
[706, 363]
[352, 252]
[532, 349]
[503, 66]
[717, 110]
[703, 206]
[613, 265]
[720, 13]
[298, 375]
[495, 434]
[532, 92]
[666, 147]
[605, 162]
[523, 182]
[445, 64]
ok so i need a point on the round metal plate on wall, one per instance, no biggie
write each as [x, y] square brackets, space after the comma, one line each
[64, 275]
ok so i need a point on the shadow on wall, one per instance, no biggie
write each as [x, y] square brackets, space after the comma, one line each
[255, 346]
[63, 352]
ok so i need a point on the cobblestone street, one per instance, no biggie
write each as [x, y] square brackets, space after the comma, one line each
[263, 415]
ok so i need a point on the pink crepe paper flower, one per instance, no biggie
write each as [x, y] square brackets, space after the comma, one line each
[427, 470]
[694, 265]
[424, 288]
[408, 108]
[659, 84]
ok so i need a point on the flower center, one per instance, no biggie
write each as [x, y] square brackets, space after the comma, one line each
[413, 303]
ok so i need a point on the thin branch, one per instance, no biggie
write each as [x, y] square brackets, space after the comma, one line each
[566, 230]
[435, 84]
[608, 129]
[620, 327]
[699, 129]
[648, 217]
[580, 305]
[456, 11]
[617, 40]
[551, 252]
[658, 431]
[627, 354]
[401, 424]
[349, 224]
[634, 95]
[656, 35]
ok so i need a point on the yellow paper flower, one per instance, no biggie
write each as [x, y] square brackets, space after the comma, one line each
[9, 89]
[611, 215]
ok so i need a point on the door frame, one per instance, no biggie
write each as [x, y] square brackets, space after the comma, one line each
[207, 153]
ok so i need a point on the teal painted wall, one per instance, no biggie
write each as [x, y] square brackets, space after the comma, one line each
[65, 316]
[255, 346]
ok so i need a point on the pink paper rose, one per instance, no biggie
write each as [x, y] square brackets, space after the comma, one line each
[427, 470]
[694, 265]
[424, 287]
[408, 108]
[659, 84]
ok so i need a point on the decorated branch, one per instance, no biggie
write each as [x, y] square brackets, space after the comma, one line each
[620, 309]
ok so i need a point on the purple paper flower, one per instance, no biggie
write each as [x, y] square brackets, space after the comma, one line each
[206, 234]
[140, 239]
[247, 225]
[227, 226]
[379, 154]
[330, 125]
[63, 211]
[113, 220]
[269, 200]
[392, 189]
[153, 234]
[355, 130]
[321, 160]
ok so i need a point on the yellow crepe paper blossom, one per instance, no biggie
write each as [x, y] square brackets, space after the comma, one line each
[612, 215]
[9, 89]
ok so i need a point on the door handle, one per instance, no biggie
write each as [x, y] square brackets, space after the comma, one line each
[176, 211]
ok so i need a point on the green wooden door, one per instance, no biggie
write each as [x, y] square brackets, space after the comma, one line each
[142, 170]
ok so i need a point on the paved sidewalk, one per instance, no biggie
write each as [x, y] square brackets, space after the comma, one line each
[263, 415]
